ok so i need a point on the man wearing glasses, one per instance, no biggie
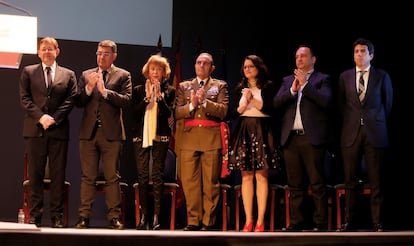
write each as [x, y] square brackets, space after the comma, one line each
[103, 93]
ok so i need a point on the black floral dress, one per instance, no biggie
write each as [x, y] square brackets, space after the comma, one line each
[252, 145]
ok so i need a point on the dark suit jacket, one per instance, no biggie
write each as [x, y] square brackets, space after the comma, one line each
[201, 138]
[165, 110]
[374, 110]
[57, 101]
[119, 88]
[315, 105]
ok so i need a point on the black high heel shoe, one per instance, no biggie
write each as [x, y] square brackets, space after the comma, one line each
[155, 224]
[143, 225]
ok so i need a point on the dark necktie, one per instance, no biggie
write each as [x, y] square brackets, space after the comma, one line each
[98, 112]
[201, 83]
[49, 77]
[104, 75]
[361, 86]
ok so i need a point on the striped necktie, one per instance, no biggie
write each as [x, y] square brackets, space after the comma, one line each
[361, 86]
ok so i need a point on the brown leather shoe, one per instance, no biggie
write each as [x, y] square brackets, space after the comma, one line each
[83, 223]
[57, 222]
[115, 223]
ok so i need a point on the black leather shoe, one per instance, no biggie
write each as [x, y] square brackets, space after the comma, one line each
[320, 228]
[115, 223]
[192, 228]
[294, 228]
[82, 223]
[35, 221]
[378, 227]
[347, 227]
[57, 222]
[207, 228]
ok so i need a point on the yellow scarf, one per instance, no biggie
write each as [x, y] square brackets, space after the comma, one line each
[150, 123]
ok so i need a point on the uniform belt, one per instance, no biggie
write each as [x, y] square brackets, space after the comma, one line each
[163, 139]
[298, 132]
[98, 123]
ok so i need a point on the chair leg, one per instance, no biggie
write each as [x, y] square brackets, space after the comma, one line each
[26, 208]
[224, 209]
[66, 204]
[338, 209]
[330, 212]
[137, 208]
[173, 203]
[123, 206]
[237, 210]
[287, 207]
[272, 210]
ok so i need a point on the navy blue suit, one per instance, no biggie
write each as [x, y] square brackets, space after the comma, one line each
[304, 153]
[364, 134]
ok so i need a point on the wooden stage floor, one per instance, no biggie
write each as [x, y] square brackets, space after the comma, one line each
[13, 234]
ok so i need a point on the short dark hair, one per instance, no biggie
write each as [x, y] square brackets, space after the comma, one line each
[363, 41]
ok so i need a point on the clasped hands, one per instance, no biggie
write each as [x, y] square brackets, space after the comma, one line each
[300, 79]
[247, 97]
[46, 121]
[198, 97]
[95, 79]
[152, 89]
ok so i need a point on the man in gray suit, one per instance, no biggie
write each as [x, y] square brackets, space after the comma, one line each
[103, 92]
[305, 98]
[365, 97]
[47, 93]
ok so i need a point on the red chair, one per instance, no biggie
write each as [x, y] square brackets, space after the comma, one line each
[101, 184]
[170, 188]
[309, 193]
[273, 192]
[46, 188]
[225, 209]
[340, 191]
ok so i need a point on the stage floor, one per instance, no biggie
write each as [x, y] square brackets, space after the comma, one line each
[13, 234]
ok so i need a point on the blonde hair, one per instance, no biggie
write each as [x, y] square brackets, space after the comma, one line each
[158, 60]
[49, 40]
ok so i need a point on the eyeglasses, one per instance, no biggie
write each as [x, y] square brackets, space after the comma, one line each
[104, 54]
[47, 49]
[249, 66]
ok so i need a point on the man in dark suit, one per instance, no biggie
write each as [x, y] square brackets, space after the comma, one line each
[305, 97]
[201, 105]
[365, 97]
[47, 93]
[103, 92]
